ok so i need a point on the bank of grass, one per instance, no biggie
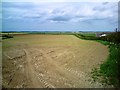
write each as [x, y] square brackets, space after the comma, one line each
[103, 42]
[110, 68]
[108, 73]
[88, 34]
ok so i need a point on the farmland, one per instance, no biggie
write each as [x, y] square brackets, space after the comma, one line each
[51, 61]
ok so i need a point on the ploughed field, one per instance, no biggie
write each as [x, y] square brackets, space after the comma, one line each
[50, 61]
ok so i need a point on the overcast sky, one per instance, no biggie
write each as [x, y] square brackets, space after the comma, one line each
[60, 16]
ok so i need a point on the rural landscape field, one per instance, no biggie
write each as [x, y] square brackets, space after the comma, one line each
[60, 44]
[51, 61]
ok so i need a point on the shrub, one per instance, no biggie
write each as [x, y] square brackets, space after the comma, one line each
[7, 36]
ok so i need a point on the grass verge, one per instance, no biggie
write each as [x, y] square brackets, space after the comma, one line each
[108, 73]
[110, 68]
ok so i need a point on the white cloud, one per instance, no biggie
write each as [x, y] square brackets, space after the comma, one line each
[56, 12]
[60, 1]
[71, 10]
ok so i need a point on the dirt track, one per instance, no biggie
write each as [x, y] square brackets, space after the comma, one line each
[51, 61]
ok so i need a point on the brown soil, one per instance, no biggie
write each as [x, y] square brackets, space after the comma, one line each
[51, 61]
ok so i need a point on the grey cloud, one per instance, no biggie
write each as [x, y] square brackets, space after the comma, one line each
[99, 9]
[60, 18]
[32, 16]
[104, 3]
[58, 12]
[106, 6]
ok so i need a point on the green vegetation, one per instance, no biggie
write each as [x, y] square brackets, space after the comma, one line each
[51, 33]
[88, 34]
[108, 73]
[6, 36]
[103, 42]
[110, 68]
[87, 37]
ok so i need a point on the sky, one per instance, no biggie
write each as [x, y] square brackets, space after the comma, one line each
[59, 15]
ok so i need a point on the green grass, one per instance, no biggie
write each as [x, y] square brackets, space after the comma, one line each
[109, 70]
[91, 37]
[103, 42]
[89, 34]
[108, 73]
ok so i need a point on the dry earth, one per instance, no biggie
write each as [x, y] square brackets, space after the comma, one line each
[51, 61]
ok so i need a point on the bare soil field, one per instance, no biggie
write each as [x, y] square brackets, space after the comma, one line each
[51, 61]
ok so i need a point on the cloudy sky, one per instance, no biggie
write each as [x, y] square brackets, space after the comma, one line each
[60, 16]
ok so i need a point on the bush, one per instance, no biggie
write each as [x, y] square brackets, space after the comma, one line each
[113, 37]
[7, 36]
